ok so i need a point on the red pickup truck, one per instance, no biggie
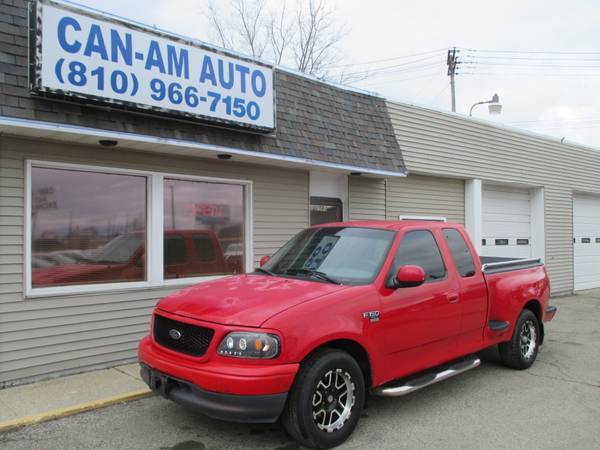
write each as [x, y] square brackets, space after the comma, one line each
[343, 310]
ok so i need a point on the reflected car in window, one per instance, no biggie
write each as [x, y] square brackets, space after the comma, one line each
[123, 259]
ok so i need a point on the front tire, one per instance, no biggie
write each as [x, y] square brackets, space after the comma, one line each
[521, 351]
[326, 400]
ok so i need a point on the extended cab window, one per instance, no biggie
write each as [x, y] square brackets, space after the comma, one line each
[460, 252]
[418, 248]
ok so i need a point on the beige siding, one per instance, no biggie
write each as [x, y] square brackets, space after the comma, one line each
[366, 198]
[418, 195]
[43, 336]
[443, 144]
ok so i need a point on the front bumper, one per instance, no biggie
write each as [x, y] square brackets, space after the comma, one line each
[233, 408]
[223, 389]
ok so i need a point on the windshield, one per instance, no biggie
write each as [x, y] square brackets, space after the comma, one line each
[119, 250]
[348, 255]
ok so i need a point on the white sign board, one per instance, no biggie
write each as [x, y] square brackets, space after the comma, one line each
[81, 54]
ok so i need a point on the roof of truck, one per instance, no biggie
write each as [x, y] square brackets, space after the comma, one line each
[390, 224]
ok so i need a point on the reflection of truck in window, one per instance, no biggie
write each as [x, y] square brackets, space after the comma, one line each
[187, 253]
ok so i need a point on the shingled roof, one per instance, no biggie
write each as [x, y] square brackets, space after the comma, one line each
[315, 120]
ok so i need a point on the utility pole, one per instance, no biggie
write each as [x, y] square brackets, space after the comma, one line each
[452, 62]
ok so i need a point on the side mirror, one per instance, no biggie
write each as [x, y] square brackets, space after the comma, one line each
[263, 260]
[410, 276]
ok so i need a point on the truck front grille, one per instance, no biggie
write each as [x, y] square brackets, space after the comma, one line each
[182, 337]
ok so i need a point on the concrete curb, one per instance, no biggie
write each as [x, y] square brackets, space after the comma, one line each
[71, 410]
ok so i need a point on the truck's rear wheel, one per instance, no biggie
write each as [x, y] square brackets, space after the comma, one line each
[326, 400]
[521, 351]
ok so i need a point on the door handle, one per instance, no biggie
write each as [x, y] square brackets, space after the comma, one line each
[453, 298]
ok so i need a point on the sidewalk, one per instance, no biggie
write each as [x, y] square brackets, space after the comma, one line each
[52, 399]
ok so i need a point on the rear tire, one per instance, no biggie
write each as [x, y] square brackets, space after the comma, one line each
[326, 400]
[521, 351]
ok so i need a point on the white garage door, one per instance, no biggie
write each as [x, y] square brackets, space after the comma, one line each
[586, 238]
[506, 222]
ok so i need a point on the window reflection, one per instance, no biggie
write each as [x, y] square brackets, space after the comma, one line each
[204, 228]
[86, 227]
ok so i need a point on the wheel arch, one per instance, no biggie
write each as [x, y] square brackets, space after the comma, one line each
[535, 306]
[354, 349]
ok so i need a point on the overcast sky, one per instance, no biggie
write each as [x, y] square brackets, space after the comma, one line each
[554, 93]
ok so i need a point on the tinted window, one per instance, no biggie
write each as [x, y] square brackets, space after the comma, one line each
[86, 227]
[175, 251]
[460, 253]
[212, 214]
[204, 248]
[418, 248]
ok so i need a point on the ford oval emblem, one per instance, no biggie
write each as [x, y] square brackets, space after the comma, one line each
[175, 334]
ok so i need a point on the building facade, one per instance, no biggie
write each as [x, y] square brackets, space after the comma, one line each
[110, 200]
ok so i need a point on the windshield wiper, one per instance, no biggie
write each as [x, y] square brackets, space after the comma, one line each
[313, 273]
[261, 270]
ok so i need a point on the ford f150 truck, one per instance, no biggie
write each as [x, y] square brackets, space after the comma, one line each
[340, 311]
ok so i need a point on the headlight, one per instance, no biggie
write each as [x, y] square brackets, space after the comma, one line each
[249, 345]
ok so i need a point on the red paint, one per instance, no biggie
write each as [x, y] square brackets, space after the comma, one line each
[411, 275]
[419, 327]
[264, 260]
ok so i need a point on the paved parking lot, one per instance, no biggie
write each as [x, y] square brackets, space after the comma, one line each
[555, 404]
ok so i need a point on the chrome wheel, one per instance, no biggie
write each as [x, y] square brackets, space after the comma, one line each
[528, 339]
[333, 400]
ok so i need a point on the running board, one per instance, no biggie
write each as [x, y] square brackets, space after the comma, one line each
[432, 376]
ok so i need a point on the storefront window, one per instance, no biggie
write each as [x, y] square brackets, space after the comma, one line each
[204, 228]
[86, 227]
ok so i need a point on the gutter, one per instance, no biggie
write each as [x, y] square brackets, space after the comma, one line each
[37, 129]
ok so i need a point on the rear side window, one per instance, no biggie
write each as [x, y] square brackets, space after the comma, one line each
[174, 250]
[204, 248]
[418, 248]
[460, 252]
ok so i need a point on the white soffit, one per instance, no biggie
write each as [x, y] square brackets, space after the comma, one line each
[34, 129]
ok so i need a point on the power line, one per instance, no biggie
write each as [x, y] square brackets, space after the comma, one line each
[529, 58]
[388, 59]
[385, 68]
[530, 52]
[400, 80]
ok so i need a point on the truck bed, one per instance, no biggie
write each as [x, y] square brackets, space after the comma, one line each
[495, 264]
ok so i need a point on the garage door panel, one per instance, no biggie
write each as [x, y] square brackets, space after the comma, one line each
[506, 217]
[586, 226]
[506, 213]
[507, 230]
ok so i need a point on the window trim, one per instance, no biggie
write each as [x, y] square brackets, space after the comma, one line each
[154, 230]
[435, 240]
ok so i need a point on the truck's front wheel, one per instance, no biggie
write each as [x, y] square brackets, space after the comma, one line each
[521, 351]
[326, 400]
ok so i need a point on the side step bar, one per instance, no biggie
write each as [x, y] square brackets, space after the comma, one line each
[435, 375]
[498, 325]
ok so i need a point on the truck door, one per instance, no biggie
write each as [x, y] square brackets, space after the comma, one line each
[421, 323]
[473, 292]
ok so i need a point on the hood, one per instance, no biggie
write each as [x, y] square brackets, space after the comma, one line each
[246, 300]
[65, 273]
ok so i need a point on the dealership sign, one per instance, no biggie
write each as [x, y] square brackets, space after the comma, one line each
[78, 54]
